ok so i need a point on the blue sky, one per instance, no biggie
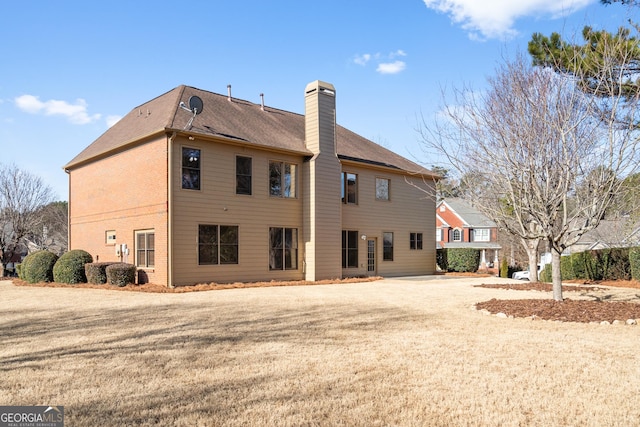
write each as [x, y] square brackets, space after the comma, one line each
[70, 69]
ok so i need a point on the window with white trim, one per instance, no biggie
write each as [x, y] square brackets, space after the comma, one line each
[145, 248]
[481, 235]
[456, 235]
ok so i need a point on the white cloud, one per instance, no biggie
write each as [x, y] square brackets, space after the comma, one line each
[362, 59]
[385, 62]
[495, 18]
[391, 67]
[112, 120]
[76, 113]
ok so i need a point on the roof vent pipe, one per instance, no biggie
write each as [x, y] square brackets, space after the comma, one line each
[262, 101]
[229, 92]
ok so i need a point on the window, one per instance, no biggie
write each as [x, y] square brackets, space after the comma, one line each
[283, 248]
[387, 246]
[190, 168]
[110, 237]
[456, 235]
[243, 175]
[217, 244]
[145, 249]
[415, 241]
[382, 189]
[282, 179]
[349, 188]
[481, 235]
[349, 249]
[439, 234]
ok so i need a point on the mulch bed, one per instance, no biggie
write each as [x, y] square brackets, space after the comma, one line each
[569, 310]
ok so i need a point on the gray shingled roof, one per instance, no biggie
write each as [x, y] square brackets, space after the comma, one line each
[469, 214]
[238, 120]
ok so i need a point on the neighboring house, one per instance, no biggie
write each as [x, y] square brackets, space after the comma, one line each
[459, 225]
[237, 191]
[611, 233]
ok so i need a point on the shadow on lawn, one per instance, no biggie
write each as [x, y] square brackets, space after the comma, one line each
[113, 332]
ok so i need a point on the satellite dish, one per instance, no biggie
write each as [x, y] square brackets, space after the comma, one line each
[195, 104]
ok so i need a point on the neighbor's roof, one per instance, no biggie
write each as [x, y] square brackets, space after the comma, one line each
[238, 120]
[470, 215]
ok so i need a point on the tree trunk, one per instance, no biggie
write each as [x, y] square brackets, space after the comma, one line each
[532, 254]
[556, 275]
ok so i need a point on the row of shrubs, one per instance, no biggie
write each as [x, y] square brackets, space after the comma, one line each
[73, 267]
[600, 264]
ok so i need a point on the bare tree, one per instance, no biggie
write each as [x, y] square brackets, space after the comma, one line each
[22, 196]
[540, 156]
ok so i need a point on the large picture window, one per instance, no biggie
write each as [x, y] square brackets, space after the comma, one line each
[387, 246]
[190, 168]
[349, 249]
[217, 244]
[283, 248]
[282, 179]
[349, 188]
[145, 249]
[243, 175]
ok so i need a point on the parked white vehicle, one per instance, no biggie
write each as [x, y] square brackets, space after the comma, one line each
[524, 275]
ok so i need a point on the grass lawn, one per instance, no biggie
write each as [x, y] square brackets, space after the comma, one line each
[392, 352]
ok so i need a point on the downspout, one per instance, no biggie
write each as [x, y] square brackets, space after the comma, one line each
[68, 172]
[170, 210]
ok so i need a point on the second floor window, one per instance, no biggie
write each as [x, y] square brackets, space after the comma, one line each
[349, 188]
[282, 179]
[481, 235]
[190, 168]
[243, 175]
[382, 189]
[456, 235]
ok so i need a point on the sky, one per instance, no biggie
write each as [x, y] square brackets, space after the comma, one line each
[70, 69]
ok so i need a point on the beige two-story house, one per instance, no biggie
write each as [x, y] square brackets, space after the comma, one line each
[198, 187]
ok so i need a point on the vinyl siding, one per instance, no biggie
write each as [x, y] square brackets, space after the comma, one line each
[409, 210]
[217, 203]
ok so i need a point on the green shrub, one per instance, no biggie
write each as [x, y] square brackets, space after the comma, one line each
[38, 267]
[121, 274]
[613, 263]
[463, 260]
[70, 267]
[19, 270]
[566, 268]
[504, 268]
[634, 263]
[546, 275]
[585, 266]
[96, 272]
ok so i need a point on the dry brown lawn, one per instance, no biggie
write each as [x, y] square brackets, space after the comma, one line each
[402, 352]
